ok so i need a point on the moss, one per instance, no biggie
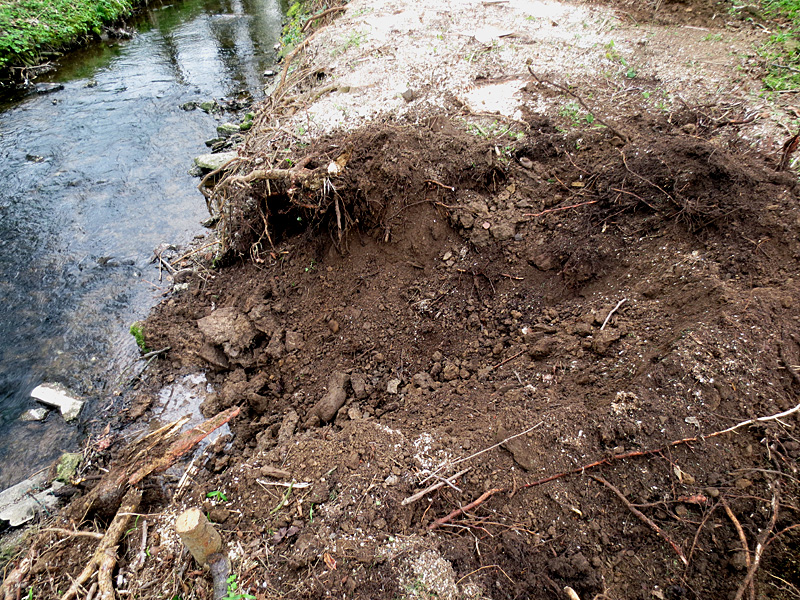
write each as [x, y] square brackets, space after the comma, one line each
[137, 331]
[68, 465]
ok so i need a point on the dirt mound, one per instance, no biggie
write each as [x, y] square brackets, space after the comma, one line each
[565, 321]
[604, 299]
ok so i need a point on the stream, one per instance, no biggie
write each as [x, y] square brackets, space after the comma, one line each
[94, 177]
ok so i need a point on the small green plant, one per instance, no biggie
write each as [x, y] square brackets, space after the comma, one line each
[713, 37]
[312, 266]
[217, 495]
[354, 40]
[234, 593]
[137, 331]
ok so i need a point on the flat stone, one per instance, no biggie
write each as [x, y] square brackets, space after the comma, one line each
[212, 162]
[392, 386]
[20, 503]
[58, 397]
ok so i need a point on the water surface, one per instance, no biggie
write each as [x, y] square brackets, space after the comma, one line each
[94, 177]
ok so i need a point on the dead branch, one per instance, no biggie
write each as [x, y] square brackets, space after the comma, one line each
[105, 556]
[130, 472]
[581, 101]
[550, 210]
[760, 545]
[611, 313]
[642, 517]
[433, 488]
[322, 15]
[75, 533]
[463, 509]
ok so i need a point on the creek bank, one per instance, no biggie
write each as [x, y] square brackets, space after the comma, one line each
[446, 303]
[34, 32]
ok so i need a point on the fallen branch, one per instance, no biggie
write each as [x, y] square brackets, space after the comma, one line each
[321, 15]
[642, 517]
[141, 463]
[75, 533]
[580, 100]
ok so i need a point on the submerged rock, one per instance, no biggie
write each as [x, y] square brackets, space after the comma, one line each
[34, 414]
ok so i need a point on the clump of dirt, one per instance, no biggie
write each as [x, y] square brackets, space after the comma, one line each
[576, 301]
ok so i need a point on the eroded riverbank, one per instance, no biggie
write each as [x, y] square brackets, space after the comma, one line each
[508, 309]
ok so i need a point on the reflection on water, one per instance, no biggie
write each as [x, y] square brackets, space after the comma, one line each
[94, 177]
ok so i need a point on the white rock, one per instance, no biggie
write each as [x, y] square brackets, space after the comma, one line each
[392, 386]
[58, 397]
[34, 414]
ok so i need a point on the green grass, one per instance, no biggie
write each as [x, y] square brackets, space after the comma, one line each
[781, 53]
[28, 27]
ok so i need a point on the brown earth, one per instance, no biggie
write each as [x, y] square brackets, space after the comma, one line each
[454, 289]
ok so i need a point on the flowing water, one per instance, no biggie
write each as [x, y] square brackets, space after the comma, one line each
[92, 179]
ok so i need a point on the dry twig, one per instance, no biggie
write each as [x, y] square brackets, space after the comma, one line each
[581, 101]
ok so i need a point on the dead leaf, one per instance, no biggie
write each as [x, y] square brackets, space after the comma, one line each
[329, 560]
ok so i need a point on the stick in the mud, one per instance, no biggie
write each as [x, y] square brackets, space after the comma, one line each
[432, 488]
[642, 517]
[610, 314]
[580, 100]
[468, 507]
[198, 535]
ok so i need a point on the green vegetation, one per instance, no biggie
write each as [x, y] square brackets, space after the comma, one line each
[233, 590]
[28, 27]
[297, 16]
[137, 331]
[217, 495]
[782, 51]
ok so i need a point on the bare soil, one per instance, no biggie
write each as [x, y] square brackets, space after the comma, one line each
[461, 284]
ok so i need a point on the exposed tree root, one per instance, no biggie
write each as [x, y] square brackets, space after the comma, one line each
[608, 460]
[121, 482]
[105, 556]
